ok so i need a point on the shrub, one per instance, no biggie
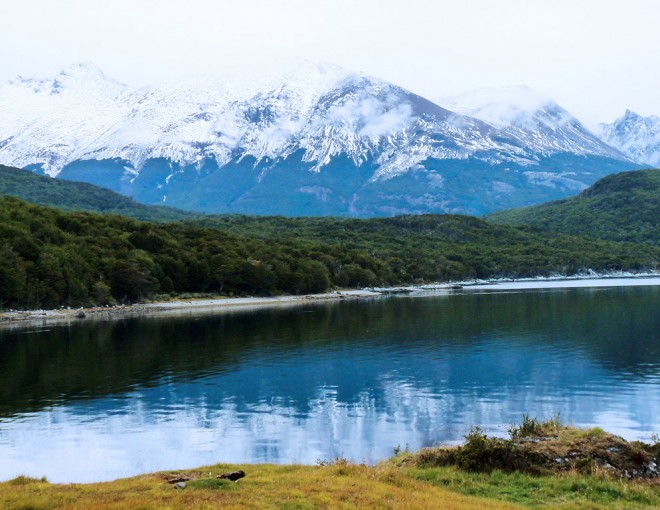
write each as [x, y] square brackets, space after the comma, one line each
[483, 453]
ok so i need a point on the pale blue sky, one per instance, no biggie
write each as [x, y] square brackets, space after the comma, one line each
[595, 57]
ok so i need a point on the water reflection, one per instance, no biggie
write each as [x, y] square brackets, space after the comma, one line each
[99, 401]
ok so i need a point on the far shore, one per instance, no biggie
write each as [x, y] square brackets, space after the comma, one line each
[36, 318]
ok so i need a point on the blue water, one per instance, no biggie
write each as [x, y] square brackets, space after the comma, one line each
[102, 400]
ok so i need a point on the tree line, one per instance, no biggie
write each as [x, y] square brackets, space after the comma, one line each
[51, 258]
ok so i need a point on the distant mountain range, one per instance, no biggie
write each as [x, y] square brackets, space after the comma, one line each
[636, 136]
[317, 140]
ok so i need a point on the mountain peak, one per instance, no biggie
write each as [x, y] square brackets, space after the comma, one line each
[82, 76]
[500, 107]
[85, 73]
[84, 67]
[636, 136]
[630, 115]
[530, 116]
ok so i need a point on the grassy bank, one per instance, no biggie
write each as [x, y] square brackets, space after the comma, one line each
[337, 486]
[265, 486]
[489, 473]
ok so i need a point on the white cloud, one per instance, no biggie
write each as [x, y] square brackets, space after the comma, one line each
[372, 117]
[390, 121]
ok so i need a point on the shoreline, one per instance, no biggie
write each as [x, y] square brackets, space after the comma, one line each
[34, 318]
[31, 318]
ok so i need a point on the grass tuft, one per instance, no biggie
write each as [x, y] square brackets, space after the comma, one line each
[26, 480]
[594, 433]
[533, 427]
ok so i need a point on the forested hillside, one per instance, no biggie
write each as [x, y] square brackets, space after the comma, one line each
[50, 258]
[619, 207]
[80, 196]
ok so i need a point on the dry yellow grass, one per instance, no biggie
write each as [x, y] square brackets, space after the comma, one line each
[264, 487]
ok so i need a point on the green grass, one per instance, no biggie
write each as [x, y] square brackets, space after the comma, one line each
[595, 432]
[212, 483]
[559, 491]
[344, 485]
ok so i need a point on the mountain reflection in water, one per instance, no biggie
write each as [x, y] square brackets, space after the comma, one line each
[101, 400]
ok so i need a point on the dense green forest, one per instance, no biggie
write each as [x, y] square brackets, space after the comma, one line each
[51, 258]
[619, 207]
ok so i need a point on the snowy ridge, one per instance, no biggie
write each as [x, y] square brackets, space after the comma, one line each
[500, 107]
[636, 136]
[530, 117]
[48, 120]
[319, 109]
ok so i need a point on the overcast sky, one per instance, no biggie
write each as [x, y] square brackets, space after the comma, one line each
[594, 57]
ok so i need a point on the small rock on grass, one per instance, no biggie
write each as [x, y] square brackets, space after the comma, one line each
[234, 476]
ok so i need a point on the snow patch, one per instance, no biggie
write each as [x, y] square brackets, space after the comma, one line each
[551, 180]
[321, 193]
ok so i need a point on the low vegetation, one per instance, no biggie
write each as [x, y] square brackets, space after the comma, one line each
[482, 473]
[547, 447]
[565, 491]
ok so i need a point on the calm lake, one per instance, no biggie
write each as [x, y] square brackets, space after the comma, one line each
[353, 378]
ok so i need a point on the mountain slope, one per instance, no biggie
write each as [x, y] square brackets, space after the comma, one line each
[636, 136]
[316, 140]
[621, 207]
[80, 196]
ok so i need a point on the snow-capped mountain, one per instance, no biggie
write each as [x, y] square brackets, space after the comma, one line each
[636, 136]
[530, 117]
[324, 110]
[314, 140]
